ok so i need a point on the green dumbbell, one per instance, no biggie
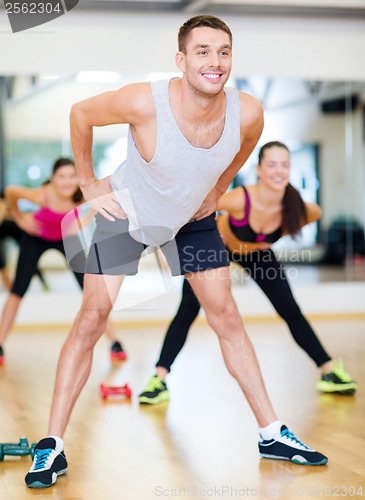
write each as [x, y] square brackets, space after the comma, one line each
[32, 450]
[20, 449]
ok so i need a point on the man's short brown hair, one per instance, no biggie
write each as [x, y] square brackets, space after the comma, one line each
[197, 22]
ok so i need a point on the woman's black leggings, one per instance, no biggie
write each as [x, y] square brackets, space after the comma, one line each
[8, 229]
[269, 274]
[31, 249]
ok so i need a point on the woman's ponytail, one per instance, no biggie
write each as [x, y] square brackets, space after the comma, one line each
[294, 212]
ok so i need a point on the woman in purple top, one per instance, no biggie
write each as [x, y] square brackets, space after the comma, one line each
[255, 217]
[42, 231]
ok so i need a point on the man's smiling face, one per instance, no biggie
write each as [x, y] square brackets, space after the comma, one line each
[207, 60]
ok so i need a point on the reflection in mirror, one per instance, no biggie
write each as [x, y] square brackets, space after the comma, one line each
[322, 123]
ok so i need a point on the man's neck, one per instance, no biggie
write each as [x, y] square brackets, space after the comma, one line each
[198, 106]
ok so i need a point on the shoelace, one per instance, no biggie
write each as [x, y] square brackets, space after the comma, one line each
[291, 436]
[41, 458]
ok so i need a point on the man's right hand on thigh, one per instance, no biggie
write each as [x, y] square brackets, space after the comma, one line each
[101, 198]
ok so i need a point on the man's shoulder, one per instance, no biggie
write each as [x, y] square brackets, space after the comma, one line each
[139, 97]
[136, 91]
[249, 100]
[251, 109]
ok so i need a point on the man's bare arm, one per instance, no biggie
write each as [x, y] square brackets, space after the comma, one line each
[252, 123]
[251, 136]
[122, 106]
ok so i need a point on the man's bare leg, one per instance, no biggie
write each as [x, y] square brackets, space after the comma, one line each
[75, 359]
[213, 290]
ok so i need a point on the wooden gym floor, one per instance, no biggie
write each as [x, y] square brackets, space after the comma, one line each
[203, 444]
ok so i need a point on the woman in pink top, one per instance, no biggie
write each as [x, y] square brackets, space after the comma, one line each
[42, 231]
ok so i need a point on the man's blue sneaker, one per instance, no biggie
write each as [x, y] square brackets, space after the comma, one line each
[49, 463]
[285, 446]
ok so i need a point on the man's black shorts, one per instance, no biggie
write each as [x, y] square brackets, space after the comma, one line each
[196, 247]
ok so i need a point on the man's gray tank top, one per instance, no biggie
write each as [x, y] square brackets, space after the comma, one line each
[160, 196]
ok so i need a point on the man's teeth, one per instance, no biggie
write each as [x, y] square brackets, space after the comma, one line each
[213, 76]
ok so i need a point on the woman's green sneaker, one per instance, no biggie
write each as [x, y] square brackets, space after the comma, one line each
[155, 392]
[337, 381]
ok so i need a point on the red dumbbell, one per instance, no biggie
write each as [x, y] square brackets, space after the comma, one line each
[108, 390]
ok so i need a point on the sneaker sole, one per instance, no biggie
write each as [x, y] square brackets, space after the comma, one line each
[118, 357]
[38, 484]
[337, 388]
[161, 398]
[346, 392]
[295, 461]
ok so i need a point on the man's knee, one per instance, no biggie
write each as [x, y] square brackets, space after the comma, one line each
[223, 313]
[89, 326]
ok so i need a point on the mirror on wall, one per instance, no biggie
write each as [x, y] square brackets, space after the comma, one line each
[322, 123]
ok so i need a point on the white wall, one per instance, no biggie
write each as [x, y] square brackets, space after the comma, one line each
[139, 43]
[341, 298]
[45, 115]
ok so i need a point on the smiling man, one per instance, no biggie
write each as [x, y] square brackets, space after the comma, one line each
[188, 137]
